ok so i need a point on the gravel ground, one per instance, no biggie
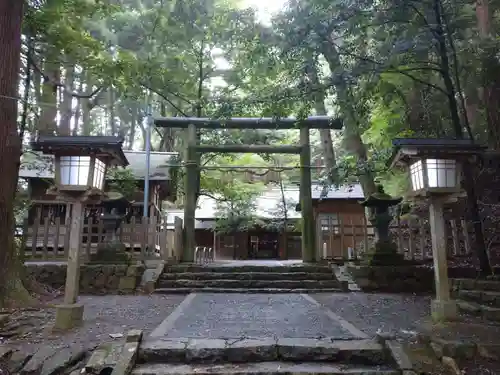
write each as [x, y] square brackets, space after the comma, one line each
[388, 313]
[104, 315]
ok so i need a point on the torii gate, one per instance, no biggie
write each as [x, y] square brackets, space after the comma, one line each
[192, 124]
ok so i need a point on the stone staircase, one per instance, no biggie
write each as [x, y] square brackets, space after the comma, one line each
[269, 356]
[478, 297]
[212, 278]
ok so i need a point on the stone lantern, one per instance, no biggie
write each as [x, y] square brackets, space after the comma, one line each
[385, 251]
[115, 211]
[434, 167]
[80, 168]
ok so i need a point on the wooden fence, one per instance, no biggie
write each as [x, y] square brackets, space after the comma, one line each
[49, 239]
[348, 240]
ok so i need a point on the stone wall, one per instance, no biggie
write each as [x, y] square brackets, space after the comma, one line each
[402, 279]
[94, 279]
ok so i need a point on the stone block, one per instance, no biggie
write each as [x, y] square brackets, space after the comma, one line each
[487, 285]
[127, 359]
[127, 283]
[456, 349]
[399, 355]
[167, 350]
[105, 356]
[69, 316]
[63, 359]
[134, 335]
[206, 350]
[492, 298]
[452, 365]
[344, 285]
[444, 311]
[248, 350]
[132, 270]
[35, 363]
[307, 350]
[491, 313]
[437, 349]
[364, 351]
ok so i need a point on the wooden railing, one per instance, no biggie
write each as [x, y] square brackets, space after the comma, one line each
[346, 240]
[49, 240]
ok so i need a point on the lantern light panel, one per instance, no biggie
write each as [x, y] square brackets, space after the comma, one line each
[75, 171]
[439, 173]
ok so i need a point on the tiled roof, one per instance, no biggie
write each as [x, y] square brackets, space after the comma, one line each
[36, 165]
[354, 191]
[267, 203]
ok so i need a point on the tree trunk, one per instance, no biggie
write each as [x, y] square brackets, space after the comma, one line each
[78, 109]
[133, 124]
[285, 218]
[111, 111]
[490, 91]
[87, 105]
[11, 13]
[167, 141]
[47, 121]
[324, 134]
[352, 133]
[469, 183]
[67, 103]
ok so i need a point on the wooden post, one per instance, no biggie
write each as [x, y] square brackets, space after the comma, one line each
[308, 232]
[73, 272]
[178, 238]
[442, 308]
[70, 314]
[190, 183]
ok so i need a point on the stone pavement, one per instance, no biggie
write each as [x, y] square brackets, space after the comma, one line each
[250, 334]
[235, 316]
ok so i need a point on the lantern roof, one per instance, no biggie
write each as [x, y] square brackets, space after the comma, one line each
[380, 199]
[406, 149]
[107, 146]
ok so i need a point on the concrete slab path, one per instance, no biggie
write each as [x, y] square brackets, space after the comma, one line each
[238, 316]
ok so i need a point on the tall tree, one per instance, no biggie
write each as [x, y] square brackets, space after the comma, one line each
[11, 15]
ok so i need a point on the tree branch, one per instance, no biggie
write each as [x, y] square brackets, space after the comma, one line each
[164, 97]
[213, 197]
[50, 81]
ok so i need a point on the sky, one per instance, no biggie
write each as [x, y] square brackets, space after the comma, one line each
[265, 8]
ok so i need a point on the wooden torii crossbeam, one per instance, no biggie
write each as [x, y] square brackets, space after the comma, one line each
[192, 161]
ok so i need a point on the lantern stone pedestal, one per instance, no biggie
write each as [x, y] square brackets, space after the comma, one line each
[70, 314]
[443, 307]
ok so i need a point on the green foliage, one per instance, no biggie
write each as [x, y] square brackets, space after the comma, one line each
[122, 181]
[377, 63]
[236, 206]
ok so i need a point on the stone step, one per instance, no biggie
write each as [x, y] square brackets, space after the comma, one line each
[263, 368]
[482, 297]
[239, 284]
[179, 268]
[248, 276]
[486, 312]
[184, 350]
[475, 284]
[246, 290]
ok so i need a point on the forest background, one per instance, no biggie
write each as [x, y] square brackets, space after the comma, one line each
[389, 68]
